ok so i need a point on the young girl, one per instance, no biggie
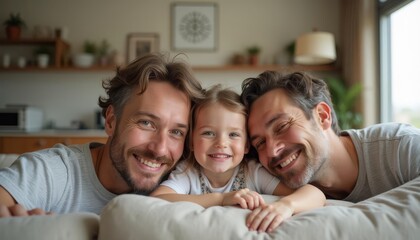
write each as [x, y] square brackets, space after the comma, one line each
[216, 174]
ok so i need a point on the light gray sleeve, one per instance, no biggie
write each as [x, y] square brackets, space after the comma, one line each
[35, 180]
[409, 157]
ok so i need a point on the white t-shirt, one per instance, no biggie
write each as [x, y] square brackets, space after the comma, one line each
[257, 179]
[61, 179]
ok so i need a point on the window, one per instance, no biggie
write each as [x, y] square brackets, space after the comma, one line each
[400, 61]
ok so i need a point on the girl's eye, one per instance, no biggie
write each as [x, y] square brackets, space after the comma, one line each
[234, 134]
[208, 133]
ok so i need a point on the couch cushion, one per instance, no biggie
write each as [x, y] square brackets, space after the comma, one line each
[391, 215]
[141, 217]
[7, 159]
[80, 226]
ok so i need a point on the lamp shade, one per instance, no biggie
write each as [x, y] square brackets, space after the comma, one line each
[315, 48]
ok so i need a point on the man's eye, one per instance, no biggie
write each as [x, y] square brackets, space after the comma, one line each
[281, 128]
[259, 144]
[145, 123]
[178, 133]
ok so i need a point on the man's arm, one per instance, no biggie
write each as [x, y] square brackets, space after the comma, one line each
[9, 207]
[5, 198]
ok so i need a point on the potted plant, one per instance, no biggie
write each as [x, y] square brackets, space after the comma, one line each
[344, 97]
[14, 25]
[42, 54]
[87, 57]
[103, 52]
[253, 53]
[290, 51]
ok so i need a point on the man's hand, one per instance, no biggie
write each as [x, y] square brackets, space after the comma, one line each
[244, 198]
[18, 210]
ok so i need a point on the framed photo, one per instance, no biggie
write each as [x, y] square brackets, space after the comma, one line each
[194, 26]
[139, 44]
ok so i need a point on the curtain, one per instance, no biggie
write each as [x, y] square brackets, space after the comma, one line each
[360, 40]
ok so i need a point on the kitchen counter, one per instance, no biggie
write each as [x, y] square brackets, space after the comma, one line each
[56, 133]
[20, 142]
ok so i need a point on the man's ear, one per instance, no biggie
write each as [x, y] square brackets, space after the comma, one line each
[323, 115]
[110, 121]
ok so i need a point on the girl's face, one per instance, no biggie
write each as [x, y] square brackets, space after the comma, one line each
[219, 139]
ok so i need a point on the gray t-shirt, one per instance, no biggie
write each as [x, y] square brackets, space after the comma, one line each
[389, 156]
[60, 179]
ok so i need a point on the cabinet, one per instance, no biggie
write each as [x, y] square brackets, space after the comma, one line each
[22, 144]
[61, 47]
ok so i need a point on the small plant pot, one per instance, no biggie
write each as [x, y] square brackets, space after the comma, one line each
[253, 59]
[83, 60]
[42, 60]
[13, 33]
[21, 62]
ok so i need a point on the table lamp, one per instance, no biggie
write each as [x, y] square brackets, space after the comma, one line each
[315, 48]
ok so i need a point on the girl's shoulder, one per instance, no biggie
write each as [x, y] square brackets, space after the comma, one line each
[252, 163]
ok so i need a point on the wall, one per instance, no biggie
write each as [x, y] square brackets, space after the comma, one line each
[67, 96]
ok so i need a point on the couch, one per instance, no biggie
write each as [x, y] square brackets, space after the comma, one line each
[392, 215]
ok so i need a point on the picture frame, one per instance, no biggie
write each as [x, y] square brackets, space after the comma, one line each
[194, 26]
[139, 44]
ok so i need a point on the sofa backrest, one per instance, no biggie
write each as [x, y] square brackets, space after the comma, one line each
[7, 159]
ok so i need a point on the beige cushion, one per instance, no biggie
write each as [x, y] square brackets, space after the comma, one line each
[81, 226]
[133, 216]
[7, 159]
[392, 215]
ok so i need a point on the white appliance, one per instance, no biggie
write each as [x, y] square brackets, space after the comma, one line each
[21, 118]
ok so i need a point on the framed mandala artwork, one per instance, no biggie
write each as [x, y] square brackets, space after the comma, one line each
[194, 26]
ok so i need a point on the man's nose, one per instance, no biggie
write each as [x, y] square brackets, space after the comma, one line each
[159, 144]
[274, 147]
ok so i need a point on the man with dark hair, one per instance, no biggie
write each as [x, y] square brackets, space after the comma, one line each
[293, 128]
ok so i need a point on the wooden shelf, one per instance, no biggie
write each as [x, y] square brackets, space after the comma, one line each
[31, 41]
[260, 68]
[61, 47]
[225, 68]
[95, 68]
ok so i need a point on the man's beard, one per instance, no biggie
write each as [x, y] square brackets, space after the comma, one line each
[120, 164]
[297, 178]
